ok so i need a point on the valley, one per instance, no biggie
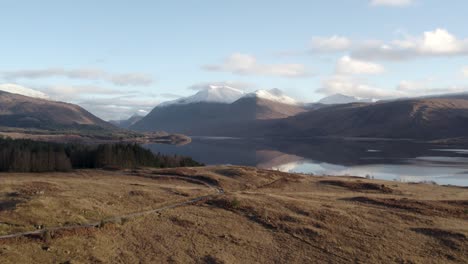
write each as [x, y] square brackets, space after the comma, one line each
[232, 132]
[23, 117]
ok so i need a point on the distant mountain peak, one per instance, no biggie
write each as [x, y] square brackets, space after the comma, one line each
[339, 98]
[275, 95]
[212, 94]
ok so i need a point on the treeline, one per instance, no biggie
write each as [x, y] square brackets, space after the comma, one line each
[33, 156]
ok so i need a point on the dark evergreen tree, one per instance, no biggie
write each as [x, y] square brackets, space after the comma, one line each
[32, 156]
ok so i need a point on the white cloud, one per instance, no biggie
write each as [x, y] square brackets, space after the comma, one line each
[123, 79]
[245, 64]
[170, 95]
[348, 65]
[233, 84]
[354, 87]
[391, 2]
[426, 87]
[360, 88]
[18, 89]
[119, 107]
[130, 79]
[71, 92]
[106, 103]
[438, 42]
[330, 44]
[464, 71]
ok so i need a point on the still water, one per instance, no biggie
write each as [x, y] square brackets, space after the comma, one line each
[404, 161]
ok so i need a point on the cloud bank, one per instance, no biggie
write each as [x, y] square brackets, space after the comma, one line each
[348, 65]
[464, 71]
[330, 44]
[245, 64]
[124, 79]
[234, 84]
[394, 3]
[349, 85]
[436, 43]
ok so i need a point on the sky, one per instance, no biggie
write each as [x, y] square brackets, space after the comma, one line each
[117, 58]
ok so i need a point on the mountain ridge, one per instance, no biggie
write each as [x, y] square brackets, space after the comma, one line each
[426, 119]
[201, 117]
[27, 112]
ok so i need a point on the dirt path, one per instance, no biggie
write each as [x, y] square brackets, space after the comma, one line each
[217, 191]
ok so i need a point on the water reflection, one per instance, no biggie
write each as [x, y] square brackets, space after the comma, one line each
[382, 159]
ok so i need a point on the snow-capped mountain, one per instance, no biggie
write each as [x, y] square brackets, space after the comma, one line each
[233, 107]
[213, 94]
[275, 95]
[21, 90]
[343, 99]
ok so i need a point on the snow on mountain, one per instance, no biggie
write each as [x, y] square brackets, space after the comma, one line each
[213, 94]
[344, 99]
[275, 95]
[18, 89]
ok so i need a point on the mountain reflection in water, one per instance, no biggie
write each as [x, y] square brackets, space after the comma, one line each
[382, 159]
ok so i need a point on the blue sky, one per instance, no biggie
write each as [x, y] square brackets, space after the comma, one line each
[118, 57]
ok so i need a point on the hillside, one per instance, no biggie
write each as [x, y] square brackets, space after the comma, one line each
[425, 119]
[415, 119]
[227, 214]
[18, 111]
[207, 118]
[257, 108]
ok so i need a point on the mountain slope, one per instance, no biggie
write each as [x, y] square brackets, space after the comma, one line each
[26, 112]
[209, 119]
[273, 95]
[416, 119]
[259, 108]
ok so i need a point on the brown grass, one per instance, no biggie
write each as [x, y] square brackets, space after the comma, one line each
[264, 217]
